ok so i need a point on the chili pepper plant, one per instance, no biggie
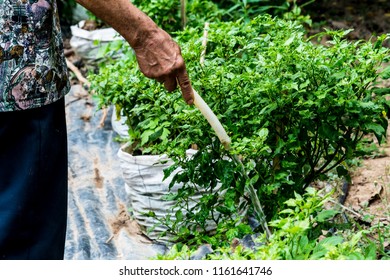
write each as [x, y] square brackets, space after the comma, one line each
[295, 110]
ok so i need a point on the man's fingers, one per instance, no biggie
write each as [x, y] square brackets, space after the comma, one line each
[161, 80]
[170, 84]
[186, 88]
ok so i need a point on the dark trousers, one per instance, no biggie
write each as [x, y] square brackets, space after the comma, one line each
[33, 183]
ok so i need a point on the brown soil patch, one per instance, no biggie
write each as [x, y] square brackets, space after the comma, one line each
[123, 221]
[367, 18]
[369, 193]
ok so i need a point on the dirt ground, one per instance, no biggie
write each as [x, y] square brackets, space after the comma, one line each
[367, 18]
[369, 193]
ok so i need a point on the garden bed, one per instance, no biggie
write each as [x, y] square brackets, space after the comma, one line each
[368, 196]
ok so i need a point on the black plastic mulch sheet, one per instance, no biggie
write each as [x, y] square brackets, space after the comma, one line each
[99, 225]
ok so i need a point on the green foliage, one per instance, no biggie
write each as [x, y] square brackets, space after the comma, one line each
[167, 15]
[177, 252]
[219, 205]
[294, 109]
[300, 232]
[144, 102]
[251, 8]
[297, 235]
[248, 9]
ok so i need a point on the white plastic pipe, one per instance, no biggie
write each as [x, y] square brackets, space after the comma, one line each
[212, 119]
[226, 141]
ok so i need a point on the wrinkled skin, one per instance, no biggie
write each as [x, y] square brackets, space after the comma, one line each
[160, 58]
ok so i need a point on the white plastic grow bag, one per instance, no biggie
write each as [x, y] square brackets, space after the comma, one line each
[119, 124]
[146, 188]
[84, 42]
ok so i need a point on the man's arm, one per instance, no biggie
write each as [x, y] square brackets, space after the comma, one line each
[158, 56]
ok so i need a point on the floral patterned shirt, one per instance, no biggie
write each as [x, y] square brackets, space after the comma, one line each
[33, 70]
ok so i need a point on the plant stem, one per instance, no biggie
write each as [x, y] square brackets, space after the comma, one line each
[183, 13]
[254, 198]
[204, 43]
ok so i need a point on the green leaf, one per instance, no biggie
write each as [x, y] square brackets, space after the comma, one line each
[325, 215]
[179, 216]
[298, 197]
[330, 241]
[328, 132]
[145, 136]
[341, 171]
[165, 133]
[291, 202]
[151, 214]
[324, 245]
[303, 242]
[252, 181]
[169, 197]
[318, 254]
[290, 40]
[377, 129]
[355, 256]
[287, 211]
[299, 227]
[156, 135]
[311, 191]
[381, 91]
[370, 253]
[385, 74]
[232, 233]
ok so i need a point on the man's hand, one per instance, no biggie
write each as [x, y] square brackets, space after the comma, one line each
[158, 56]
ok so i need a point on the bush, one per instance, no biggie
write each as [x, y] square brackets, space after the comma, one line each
[295, 110]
